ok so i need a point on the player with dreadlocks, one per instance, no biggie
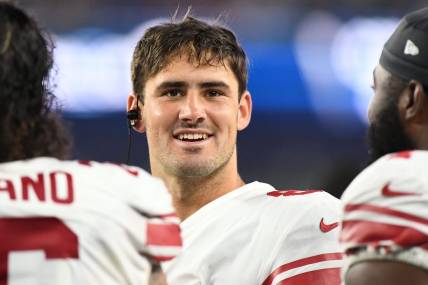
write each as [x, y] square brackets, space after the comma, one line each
[66, 222]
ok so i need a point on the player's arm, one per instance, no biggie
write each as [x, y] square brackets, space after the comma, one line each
[153, 227]
[385, 273]
[384, 226]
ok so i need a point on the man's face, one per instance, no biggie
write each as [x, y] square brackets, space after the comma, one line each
[191, 115]
[386, 132]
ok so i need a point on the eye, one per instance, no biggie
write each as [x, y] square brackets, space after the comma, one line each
[214, 93]
[172, 93]
[372, 87]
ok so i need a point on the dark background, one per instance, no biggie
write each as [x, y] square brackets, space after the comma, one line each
[289, 143]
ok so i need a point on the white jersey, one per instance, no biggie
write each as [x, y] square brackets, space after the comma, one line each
[82, 222]
[385, 214]
[258, 235]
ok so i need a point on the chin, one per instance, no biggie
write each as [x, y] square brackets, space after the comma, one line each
[191, 169]
[193, 172]
[387, 139]
[387, 134]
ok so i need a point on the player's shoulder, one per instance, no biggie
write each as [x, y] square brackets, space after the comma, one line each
[304, 198]
[412, 159]
[267, 192]
[108, 168]
[109, 176]
[41, 164]
[111, 172]
[292, 216]
[398, 163]
[119, 174]
[401, 170]
[294, 203]
[387, 199]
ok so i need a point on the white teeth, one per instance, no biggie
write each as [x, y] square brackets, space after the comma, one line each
[192, 136]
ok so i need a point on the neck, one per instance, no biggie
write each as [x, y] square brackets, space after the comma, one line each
[189, 194]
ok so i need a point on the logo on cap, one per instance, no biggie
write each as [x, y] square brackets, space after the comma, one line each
[411, 48]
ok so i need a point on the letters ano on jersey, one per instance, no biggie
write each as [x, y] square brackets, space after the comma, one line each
[82, 222]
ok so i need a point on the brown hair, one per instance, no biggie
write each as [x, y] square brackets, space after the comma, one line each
[202, 42]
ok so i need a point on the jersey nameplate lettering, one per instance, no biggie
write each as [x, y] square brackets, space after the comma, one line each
[56, 187]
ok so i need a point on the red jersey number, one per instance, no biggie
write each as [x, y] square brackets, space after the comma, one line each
[43, 233]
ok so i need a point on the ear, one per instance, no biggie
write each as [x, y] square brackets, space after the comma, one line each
[245, 109]
[133, 105]
[412, 103]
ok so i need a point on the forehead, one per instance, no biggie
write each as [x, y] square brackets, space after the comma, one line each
[184, 68]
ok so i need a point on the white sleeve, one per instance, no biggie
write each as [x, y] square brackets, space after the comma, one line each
[151, 221]
[385, 212]
[149, 196]
[309, 250]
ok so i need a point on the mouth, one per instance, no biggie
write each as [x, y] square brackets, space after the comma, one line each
[192, 137]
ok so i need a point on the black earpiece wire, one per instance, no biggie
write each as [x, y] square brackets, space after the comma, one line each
[128, 156]
[132, 116]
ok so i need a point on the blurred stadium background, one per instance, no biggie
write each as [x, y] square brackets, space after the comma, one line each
[311, 65]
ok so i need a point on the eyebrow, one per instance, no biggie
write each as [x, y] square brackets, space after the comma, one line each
[184, 84]
[214, 84]
[172, 84]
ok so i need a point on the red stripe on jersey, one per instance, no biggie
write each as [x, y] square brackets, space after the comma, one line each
[286, 193]
[127, 168]
[302, 262]
[385, 211]
[365, 232]
[85, 162]
[164, 216]
[166, 234]
[160, 258]
[329, 276]
[406, 154]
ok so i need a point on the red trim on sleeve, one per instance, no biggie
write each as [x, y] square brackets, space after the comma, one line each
[365, 232]
[385, 211]
[329, 276]
[159, 258]
[85, 162]
[165, 234]
[286, 193]
[406, 154]
[302, 262]
[170, 215]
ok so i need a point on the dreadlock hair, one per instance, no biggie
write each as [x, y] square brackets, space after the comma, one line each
[28, 127]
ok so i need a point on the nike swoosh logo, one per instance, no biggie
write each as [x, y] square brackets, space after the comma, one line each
[325, 228]
[387, 192]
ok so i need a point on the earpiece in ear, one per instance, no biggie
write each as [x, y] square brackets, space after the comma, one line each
[133, 116]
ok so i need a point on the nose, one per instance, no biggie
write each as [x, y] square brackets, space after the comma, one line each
[193, 108]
